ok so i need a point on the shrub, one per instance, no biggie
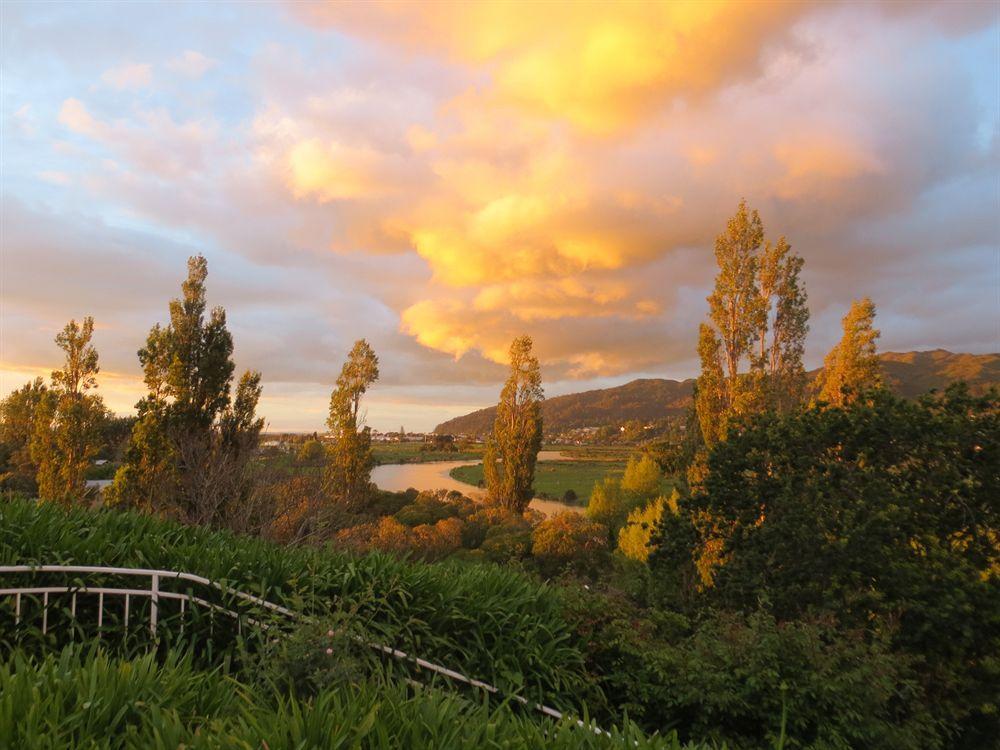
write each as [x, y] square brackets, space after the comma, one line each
[311, 452]
[507, 541]
[730, 679]
[569, 539]
[426, 509]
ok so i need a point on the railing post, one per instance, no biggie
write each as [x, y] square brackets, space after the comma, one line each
[154, 603]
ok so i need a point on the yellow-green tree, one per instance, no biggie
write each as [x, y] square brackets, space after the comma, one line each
[349, 455]
[68, 419]
[512, 449]
[642, 477]
[635, 538]
[751, 347]
[610, 505]
[852, 366]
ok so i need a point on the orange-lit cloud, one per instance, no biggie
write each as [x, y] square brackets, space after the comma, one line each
[591, 141]
[442, 177]
[600, 65]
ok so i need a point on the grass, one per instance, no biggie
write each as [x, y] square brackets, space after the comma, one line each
[85, 698]
[496, 625]
[410, 453]
[554, 478]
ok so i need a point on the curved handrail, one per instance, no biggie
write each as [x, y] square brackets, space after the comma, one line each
[155, 574]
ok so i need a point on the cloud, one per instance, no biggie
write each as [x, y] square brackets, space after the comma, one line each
[526, 218]
[439, 180]
[75, 116]
[129, 76]
[191, 64]
[601, 66]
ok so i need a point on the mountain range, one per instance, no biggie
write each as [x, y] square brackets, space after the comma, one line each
[909, 374]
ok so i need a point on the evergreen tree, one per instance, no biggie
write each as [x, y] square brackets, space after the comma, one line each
[512, 449]
[189, 451]
[69, 420]
[349, 464]
[17, 425]
[852, 366]
[757, 292]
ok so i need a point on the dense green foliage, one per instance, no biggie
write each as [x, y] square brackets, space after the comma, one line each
[87, 699]
[881, 516]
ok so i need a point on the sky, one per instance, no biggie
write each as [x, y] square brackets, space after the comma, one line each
[439, 178]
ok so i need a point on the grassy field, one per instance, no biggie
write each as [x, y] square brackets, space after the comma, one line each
[554, 478]
[411, 453]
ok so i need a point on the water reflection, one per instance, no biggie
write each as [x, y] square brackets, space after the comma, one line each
[435, 476]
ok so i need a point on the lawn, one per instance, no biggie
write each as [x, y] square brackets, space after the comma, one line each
[412, 453]
[554, 478]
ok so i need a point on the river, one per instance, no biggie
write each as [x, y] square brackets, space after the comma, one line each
[435, 476]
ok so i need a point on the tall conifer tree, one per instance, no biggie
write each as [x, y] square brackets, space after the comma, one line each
[189, 451]
[512, 449]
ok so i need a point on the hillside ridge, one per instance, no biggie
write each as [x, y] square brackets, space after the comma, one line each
[909, 374]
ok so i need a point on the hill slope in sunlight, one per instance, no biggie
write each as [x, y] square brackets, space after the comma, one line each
[908, 373]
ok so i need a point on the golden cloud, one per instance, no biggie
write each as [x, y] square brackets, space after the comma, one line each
[602, 66]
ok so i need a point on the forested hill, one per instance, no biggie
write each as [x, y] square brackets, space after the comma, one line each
[909, 374]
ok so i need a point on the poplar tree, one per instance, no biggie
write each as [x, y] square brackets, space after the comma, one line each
[189, 451]
[751, 347]
[780, 359]
[68, 419]
[512, 449]
[17, 426]
[349, 456]
[852, 366]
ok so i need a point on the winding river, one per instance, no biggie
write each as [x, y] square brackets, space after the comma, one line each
[435, 476]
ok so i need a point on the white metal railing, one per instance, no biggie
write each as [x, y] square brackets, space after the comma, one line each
[156, 593]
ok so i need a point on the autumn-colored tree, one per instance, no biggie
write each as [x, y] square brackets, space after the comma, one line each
[512, 449]
[852, 367]
[635, 538]
[757, 292]
[349, 455]
[190, 450]
[17, 425]
[780, 359]
[69, 419]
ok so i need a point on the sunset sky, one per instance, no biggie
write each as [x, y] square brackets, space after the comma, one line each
[441, 177]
